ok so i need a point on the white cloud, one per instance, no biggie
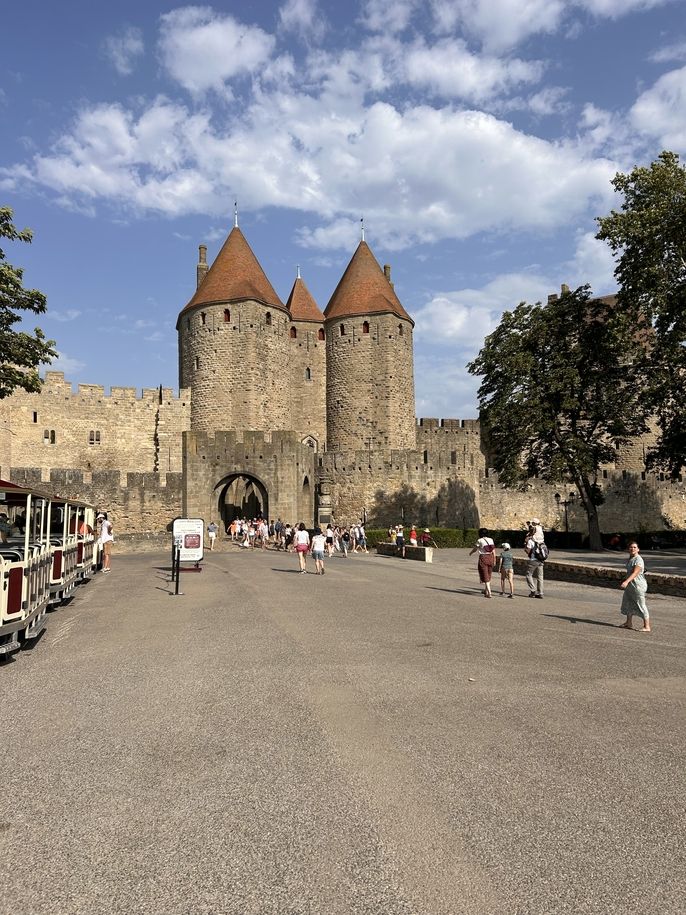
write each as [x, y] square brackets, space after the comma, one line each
[71, 314]
[672, 52]
[391, 16]
[67, 364]
[449, 69]
[592, 263]
[124, 48]
[661, 111]
[203, 50]
[498, 24]
[303, 18]
[549, 101]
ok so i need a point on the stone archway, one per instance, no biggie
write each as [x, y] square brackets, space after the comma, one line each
[241, 495]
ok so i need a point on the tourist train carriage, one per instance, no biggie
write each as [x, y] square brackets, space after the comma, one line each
[64, 545]
[87, 547]
[25, 565]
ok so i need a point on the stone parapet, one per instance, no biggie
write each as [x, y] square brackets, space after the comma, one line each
[604, 577]
[418, 553]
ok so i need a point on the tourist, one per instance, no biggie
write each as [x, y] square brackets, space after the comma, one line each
[486, 549]
[400, 540]
[329, 540]
[302, 544]
[362, 538]
[427, 539]
[534, 565]
[212, 534]
[506, 568]
[5, 527]
[319, 544]
[413, 536]
[106, 539]
[634, 587]
[345, 542]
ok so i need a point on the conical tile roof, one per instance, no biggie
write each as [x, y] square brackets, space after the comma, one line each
[301, 304]
[364, 289]
[235, 275]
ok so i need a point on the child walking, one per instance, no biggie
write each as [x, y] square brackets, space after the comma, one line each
[506, 567]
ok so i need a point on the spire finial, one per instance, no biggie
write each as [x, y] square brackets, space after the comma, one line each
[297, 267]
[235, 214]
[362, 228]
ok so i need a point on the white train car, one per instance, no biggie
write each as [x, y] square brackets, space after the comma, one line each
[25, 564]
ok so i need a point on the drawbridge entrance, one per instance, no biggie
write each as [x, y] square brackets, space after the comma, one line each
[241, 495]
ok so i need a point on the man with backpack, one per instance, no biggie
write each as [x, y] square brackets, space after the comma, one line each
[537, 553]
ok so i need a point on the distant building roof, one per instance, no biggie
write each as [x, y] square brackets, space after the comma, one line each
[301, 304]
[235, 275]
[364, 289]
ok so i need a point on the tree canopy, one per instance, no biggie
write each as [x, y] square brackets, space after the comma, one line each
[559, 392]
[648, 236]
[20, 352]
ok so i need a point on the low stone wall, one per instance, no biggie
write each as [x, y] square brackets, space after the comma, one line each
[604, 577]
[419, 553]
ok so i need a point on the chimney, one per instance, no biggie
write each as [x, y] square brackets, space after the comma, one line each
[387, 273]
[202, 263]
[564, 289]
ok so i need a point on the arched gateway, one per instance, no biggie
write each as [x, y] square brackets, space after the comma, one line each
[241, 495]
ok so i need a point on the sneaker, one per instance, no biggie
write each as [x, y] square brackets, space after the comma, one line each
[511, 596]
[323, 570]
[539, 596]
[532, 594]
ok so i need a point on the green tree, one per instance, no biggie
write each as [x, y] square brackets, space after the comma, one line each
[20, 353]
[559, 393]
[648, 237]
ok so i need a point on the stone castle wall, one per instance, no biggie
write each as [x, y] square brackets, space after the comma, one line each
[236, 360]
[370, 383]
[307, 388]
[93, 431]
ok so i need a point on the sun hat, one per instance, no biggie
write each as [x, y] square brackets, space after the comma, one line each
[505, 546]
[426, 530]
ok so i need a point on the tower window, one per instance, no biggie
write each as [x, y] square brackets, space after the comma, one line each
[203, 317]
[342, 330]
[188, 323]
[365, 327]
[400, 329]
[320, 333]
[49, 437]
[94, 437]
[308, 375]
[35, 417]
[453, 457]
[227, 316]
[294, 333]
[268, 319]
[197, 362]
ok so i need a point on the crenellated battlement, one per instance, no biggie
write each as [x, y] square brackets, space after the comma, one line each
[56, 384]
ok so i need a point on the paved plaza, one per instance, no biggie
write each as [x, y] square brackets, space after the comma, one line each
[381, 739]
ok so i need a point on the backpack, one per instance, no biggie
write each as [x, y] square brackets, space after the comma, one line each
[541, 552]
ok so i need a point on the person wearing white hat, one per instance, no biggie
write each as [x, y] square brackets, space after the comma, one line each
[506, 568]
[106, 539]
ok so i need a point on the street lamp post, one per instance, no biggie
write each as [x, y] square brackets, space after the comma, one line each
[570, 500]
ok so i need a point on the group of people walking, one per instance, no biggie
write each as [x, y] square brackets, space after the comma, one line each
[324, 544]
[634, 584]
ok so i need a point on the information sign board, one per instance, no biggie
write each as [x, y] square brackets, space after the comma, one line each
[188, 534]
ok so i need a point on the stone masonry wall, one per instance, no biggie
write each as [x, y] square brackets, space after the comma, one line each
[307, 389]
[370, 383]
[235, 358]
[279, 461]
[90, 430]
[136, 503]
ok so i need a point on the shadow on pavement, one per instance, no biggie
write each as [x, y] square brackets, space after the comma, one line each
[471, 591]
[578, 619]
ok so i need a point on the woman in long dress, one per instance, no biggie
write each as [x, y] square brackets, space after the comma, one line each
[635, 587]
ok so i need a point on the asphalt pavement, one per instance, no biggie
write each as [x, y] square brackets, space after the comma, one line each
[381, 739]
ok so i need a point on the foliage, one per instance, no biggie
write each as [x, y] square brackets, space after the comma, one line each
[20, 353]
[648, 236]
[560, 392]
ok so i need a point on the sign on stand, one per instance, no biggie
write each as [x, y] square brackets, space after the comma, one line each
[188, 534]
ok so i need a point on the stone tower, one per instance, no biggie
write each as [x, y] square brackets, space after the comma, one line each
[234, 345]
[370, 376]
[308, 366]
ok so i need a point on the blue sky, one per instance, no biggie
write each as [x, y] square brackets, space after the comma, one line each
[478, 139]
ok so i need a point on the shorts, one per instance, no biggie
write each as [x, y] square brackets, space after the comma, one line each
[329, 539]
[107, 548]
[318, 554]
[301, 548]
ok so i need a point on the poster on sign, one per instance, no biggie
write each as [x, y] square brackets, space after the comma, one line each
[188, 534]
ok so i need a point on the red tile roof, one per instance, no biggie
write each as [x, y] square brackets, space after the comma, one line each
[235, 275]
[301, 304]
[364, 289]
